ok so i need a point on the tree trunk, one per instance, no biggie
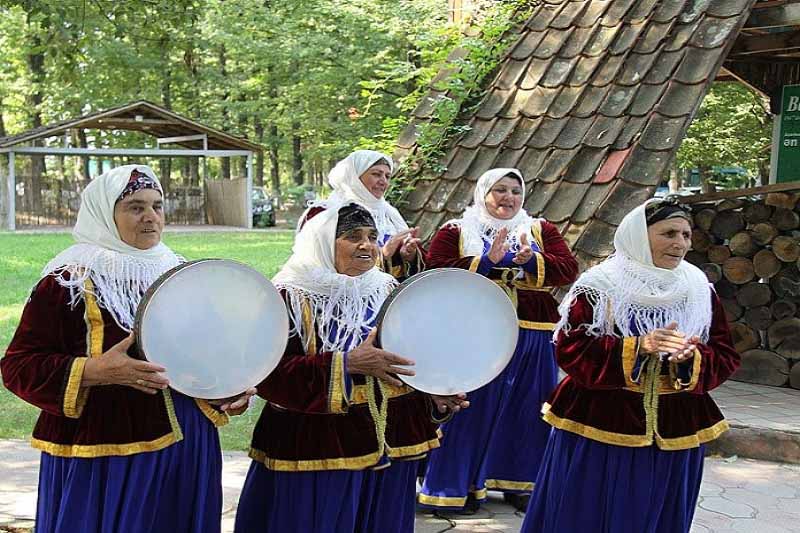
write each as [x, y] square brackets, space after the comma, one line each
[758, 318]
[744, 337]
[298, 176]
[766, 264]
[36, 67]
[83, 143]
[763, 233]
[713, 272]
[225, 162]
[727, 224]
[274, 162]
[754, 295]
[258, 127]
[786, 249]
[757, 212]
[738, 270]
[784, 200]
[733, 311]
[719, 253]
[783, 309]
[784, 337]
[704, 218]
[762, 367]
[785, 219]
[701, 241]
[742, 244]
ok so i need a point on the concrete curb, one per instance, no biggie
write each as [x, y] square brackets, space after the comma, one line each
[758, 443]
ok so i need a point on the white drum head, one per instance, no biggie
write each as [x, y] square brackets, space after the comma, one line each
[459, 328]
[218, 326]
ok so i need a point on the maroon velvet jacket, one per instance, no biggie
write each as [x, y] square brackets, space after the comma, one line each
[44, 365]
[612, 394]
[317, 417]
[552, 267]
[395, 265]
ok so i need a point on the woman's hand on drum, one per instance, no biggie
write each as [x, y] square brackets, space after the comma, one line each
[410, 247]
[116, 367]
[394, 243]
[235, 405]
[525, 253]
[499, 247]
[370, 360]
[453, 403]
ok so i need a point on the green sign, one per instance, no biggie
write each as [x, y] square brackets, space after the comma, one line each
[788, 168]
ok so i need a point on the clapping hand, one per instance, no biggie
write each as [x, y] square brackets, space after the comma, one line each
[499, 247]
[410, 246]
[525, 252]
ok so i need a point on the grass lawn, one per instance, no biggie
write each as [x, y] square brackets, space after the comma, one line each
[23, 257]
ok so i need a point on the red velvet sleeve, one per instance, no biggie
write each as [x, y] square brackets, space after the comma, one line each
[718, 358]
[41, 365]
[594, 362]
[561, 267]
[308, 383]
[445, 251]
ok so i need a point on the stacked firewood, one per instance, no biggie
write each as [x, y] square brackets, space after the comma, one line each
[750, 250]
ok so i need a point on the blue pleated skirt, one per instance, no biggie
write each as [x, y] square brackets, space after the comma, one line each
[499, 441]
[328, 501]
[586, 485]
[174, 490]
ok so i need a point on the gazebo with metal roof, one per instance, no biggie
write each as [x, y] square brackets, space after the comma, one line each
[193, 138]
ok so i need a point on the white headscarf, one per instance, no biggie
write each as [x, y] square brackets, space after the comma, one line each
[340, 304]
[628, 291]
[478, 226]
[120, 273]
[345, 181]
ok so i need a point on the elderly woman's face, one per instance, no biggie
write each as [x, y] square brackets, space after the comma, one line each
[356, 251]
[504, 199]
[376, 179]
[669, 241]
[140, 218]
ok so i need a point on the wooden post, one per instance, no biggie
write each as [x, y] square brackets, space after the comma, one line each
[11, 186]
[248, 196]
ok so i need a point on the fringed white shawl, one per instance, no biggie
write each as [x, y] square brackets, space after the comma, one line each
[119, 272]
[345, 180]
[478, 226]
[340, 304]
[628, 291]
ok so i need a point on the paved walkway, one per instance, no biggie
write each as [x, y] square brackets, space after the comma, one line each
[742, 495]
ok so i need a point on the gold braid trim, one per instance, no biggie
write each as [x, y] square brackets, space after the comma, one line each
[418, 450]
[476, 261]
[539, 269]
[651, 384]
[359, 395]
[173, 419]
[308, 465]
[338, 402]
[676, 385]
[600, 435]
[542, 326]
[94, 321]
[88, 451]
[450, 501]
[308, 325]
[693, 441]
[378, 413]
[630, 352]
[74, 395]
[502, 484]
[218, 418]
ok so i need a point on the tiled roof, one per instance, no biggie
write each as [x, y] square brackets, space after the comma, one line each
[591, 104]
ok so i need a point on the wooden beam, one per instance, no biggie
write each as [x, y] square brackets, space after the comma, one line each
[729, 74]
[133, 122]
[739, 193]
[774, 15]
[766, 44]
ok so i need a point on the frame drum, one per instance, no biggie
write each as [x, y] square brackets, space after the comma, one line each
[218, 326]
[459, 327]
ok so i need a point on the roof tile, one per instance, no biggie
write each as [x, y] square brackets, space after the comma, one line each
[591, 201]
[408, 137]
[636, 67]
[438, 197]
[431, 222]
[627, 38]
[484, 160]
[527, 45]
[729, 8]
[680, 35]
[523, 132]
[713, 32]
[604, 131]
[583, 70]
[459, 163]
[590, 100]
[557, 161]
[494, 101]
[510, 73]
[630, 132]
[577, 42]
[608, 171]
[571, 10]
[536, 70]
[644, 167]
[623, 197]
[539, 196]
[552, 42]
[420, 193]
[608, 71]
[547, 132]
[479, 128]
[591, 16]
[583, 166]
[664, 66]
[573, 133]
[531, 162]
[500, 131]
[539, 100]
[653, 37]
[693, 11]
[616, 12]
[618, 100]
[602, 39]
[573, 233]
[565, 200]
[646, 98]
[641, 11]
[565, 101]
[668, 10]
[662, 133]
[680, 99]
[542, 18]
[461, 196]
[699, 65]
[508, 158]
[597, 240]
[558, 72]
[427, 104]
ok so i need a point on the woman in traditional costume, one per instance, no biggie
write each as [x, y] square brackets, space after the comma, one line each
[498, 443]
[337, 446]
[642, 338]
[121, 451]
[363, 177]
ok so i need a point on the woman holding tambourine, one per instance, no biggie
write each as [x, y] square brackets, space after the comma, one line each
[498, 443]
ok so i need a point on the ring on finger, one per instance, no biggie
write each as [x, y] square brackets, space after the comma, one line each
[140, 382]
